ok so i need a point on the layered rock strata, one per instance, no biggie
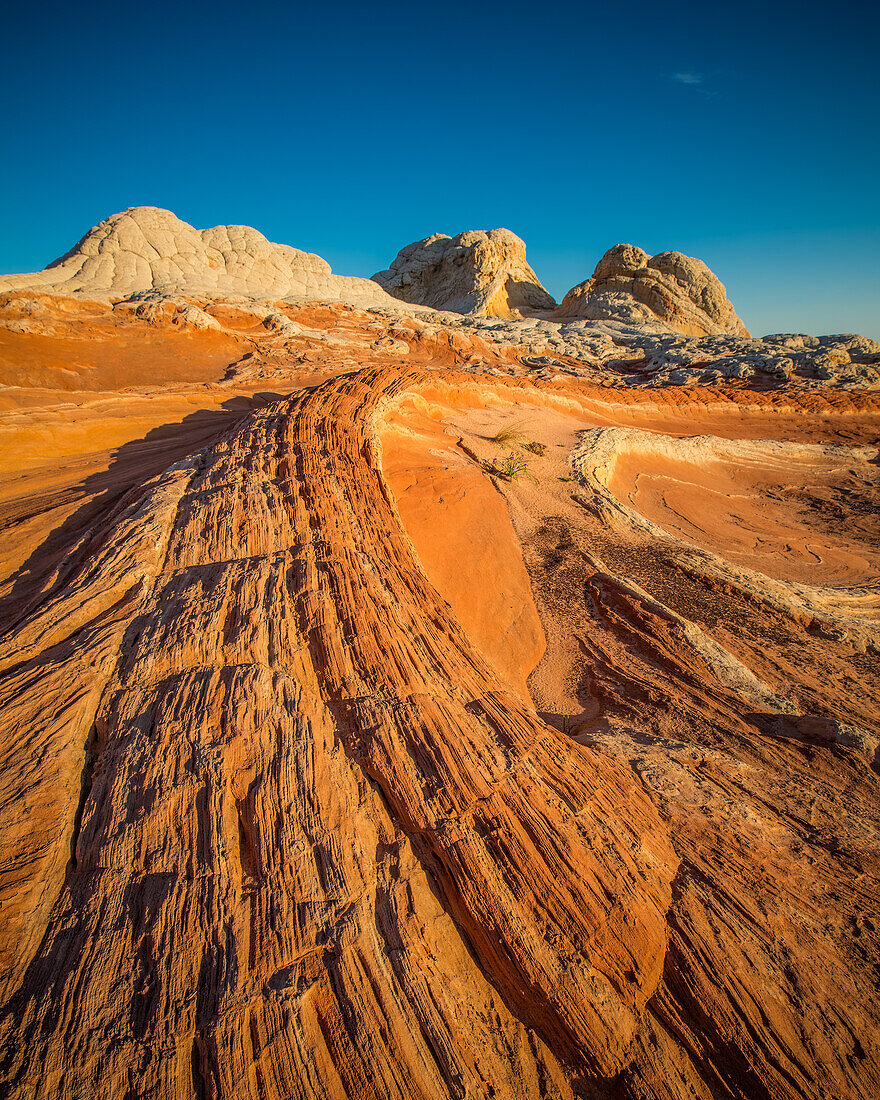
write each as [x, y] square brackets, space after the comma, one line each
[279, 817]
[267, 859]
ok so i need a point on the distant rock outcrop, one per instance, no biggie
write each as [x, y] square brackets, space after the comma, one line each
[149, 249]
[676, 291]
[477, 272]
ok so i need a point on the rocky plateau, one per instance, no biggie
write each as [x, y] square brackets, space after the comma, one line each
[412, 688]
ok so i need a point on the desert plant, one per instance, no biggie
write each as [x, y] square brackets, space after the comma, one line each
[511, 436]
[568, 720]
[510, 467]
[535, 448]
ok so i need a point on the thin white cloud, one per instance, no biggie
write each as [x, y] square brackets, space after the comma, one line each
[688, 78]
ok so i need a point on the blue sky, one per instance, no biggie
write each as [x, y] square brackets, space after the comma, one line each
[745, 134]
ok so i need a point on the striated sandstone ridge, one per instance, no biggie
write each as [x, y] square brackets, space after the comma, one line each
[148, 249]
[283, 783]
[479, 272]
[669, 290]
[335, 765]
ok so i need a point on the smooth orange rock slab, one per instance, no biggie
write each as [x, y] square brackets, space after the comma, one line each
[800, 513]
[769, 986]
[461, 532]
[104, 354]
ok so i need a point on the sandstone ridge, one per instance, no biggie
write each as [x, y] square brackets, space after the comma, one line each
[479, 272]
[677, 292]
[147, 249]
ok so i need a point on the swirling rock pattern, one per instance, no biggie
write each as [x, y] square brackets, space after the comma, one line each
[279, 816]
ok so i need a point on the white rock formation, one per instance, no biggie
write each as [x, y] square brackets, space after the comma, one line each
[478, 272]
[632, 287]
[148, 249]
[649, 354]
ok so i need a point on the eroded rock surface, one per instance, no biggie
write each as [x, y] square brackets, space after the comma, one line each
[329, 722]
[295, 804]
[645, 354]
[146, 249]
[669, 291]
[479, 272]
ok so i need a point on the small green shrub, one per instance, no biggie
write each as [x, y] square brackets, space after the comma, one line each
[568, 721]
[510, 467]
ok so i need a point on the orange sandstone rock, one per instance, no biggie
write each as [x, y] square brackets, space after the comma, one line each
[281, 817]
